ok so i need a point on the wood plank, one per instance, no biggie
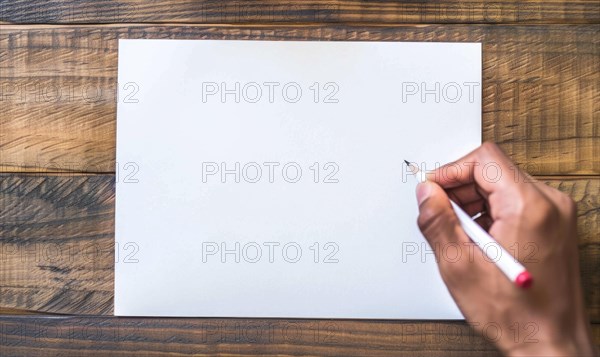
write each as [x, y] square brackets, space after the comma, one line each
[86, 336]
[83, 336]
[331, 11]
[5, 311]
[540, 89]
[57, 242]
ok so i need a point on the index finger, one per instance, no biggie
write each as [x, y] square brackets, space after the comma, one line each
[487, 166]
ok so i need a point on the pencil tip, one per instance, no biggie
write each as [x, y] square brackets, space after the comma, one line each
[406, 161]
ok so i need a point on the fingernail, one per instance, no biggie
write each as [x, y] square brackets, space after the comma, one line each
[423, 191]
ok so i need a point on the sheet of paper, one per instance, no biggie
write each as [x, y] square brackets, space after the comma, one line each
[266, 178]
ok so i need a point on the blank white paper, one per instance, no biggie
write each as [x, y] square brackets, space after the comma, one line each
[266, 178]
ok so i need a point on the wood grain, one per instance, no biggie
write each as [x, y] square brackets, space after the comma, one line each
[33, 336]
[57, 104]
[540, 89]
[57, 239]
[83, 336]
[57, 242]
[331, 11]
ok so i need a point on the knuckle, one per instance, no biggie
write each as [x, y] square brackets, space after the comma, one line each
[567, 203]
[545, 214]
[514, 202]
[520, 204]
[551, 212]
[491, 151]
[489, 146]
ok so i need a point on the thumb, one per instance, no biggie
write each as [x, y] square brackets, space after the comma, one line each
[437, 220]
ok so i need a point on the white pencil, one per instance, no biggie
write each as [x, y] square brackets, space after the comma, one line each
[504, 260]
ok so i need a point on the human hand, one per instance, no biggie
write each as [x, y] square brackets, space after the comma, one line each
[524, 216]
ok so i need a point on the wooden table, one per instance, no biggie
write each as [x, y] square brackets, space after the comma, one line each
[58, 69]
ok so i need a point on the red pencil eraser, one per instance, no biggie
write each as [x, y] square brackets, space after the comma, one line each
[524, 280]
